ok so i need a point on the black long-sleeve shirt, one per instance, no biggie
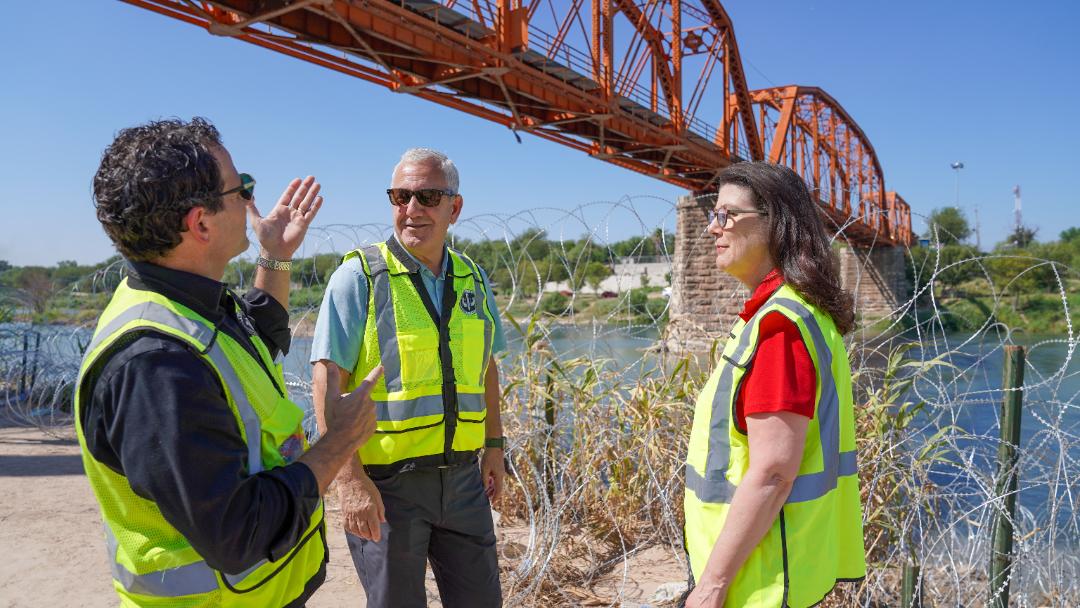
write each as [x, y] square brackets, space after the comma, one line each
[157, 414]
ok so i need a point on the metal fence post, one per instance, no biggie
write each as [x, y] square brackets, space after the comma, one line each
[22, 375]
[911, 587]
[1001, 567]
[34, 366]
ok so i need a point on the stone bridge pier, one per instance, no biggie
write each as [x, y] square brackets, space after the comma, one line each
[706, 302]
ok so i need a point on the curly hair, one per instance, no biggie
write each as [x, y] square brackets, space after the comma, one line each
[150, 177]
[798, 241]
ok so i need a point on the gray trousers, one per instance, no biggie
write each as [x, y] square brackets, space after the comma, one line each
[441, 515]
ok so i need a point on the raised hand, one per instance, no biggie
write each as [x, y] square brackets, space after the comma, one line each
[281, 231]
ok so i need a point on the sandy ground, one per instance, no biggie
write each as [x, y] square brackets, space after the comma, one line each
[50, 528]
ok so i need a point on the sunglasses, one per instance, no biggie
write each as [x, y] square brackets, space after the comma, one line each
[428, 197]
[246, 187]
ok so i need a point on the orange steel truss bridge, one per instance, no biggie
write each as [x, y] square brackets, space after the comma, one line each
[656, 86]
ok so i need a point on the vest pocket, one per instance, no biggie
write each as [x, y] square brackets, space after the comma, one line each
[419, 351]
[472, 351]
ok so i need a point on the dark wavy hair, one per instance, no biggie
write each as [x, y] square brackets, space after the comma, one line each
[798, 241]
[150, 177]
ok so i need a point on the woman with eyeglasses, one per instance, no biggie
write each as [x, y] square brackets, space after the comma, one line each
[772, 493]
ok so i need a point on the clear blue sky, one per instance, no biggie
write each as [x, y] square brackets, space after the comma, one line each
[989, 83]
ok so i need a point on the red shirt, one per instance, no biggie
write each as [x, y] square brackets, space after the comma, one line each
[781, 376]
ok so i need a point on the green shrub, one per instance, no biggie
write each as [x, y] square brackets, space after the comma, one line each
[604, 308]
[948, 267]
[646, 310]
[557, 304]
[306, 297]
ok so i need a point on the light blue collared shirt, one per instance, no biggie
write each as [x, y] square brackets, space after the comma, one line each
[339, 330]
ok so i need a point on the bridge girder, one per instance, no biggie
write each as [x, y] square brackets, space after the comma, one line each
[806, 129]
[606, 77]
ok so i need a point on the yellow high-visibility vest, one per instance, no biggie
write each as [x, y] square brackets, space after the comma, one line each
[152, 563]
[430, 406]
[817, 538]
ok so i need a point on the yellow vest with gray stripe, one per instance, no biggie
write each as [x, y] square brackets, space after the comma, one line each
[152, 563]
[430, 407]
[817, 538]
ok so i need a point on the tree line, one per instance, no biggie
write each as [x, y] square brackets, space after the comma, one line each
[1020, 263]
[531, 258]
[70, 291]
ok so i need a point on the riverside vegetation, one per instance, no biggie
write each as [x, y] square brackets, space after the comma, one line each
[69, 293]
[1020, 283]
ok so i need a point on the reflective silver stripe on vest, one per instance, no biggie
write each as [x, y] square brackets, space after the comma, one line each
[236, 579]
[385, 320]
[806, 487]
[154, 312]
[470, 402]
[192, 579]
[431, 405]
[145, 310]
[714, 486]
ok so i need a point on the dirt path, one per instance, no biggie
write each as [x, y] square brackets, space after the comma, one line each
[50, 529]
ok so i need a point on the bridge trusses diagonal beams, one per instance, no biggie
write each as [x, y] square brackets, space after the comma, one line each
[606, 77]
[807, 130]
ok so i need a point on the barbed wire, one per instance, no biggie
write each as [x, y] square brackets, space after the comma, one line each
[598, 410]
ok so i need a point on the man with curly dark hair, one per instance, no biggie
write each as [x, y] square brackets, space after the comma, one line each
[209, 491]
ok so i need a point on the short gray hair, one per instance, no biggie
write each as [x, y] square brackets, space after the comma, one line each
[427, 155]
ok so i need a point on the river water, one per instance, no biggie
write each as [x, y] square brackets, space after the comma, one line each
[965, 397]
[966, 401]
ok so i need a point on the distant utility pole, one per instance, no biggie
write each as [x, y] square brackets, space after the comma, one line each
[1017, 208]
[957, 166]
[978, 230]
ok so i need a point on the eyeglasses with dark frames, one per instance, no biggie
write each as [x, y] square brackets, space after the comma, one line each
[246, 188]
[720, 216]
[428, 197]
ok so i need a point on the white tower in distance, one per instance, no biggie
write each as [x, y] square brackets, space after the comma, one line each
[1016, 207]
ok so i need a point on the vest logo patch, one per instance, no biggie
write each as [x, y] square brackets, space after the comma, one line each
[468, 301]
[292, 448]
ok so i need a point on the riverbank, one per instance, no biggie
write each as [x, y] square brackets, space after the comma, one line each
[1033, 313]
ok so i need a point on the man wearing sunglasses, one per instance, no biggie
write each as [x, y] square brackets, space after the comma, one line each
[414, 494]
[208, 491]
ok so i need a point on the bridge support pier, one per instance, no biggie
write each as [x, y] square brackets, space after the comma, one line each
[878, 279]
[706, 302]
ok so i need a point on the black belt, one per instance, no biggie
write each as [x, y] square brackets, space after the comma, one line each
[432, 461]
